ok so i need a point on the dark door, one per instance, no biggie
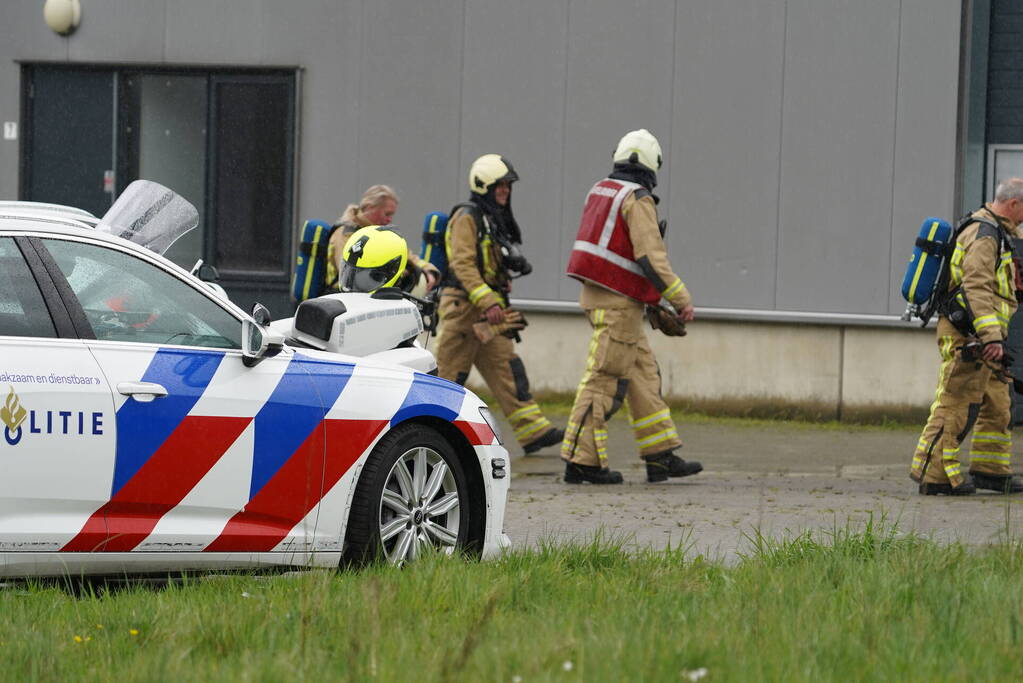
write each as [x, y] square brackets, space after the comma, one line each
[70, 137]
[250, 184]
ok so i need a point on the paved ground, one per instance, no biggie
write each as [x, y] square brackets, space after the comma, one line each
[780, 479]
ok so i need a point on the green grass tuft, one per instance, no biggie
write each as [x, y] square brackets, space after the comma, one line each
[854, 603]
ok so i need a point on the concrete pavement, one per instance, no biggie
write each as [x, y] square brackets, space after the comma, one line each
[778, 478]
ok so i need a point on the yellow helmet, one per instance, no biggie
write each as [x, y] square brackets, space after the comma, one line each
[639, 147]
[488, 170]
[374, 257]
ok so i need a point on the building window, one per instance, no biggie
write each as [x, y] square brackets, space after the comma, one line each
[221, 138]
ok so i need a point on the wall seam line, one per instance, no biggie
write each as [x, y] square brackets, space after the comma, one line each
[781, 148]
[895, 143]
[564, 129]
[461, 95]
[358, 100]
[671, 110]
[166, 34]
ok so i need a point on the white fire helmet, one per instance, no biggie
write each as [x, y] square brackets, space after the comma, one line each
[639, 147]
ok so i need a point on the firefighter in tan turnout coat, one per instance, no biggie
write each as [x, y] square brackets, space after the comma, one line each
[620, 257]
[973, 389]
[475, 296]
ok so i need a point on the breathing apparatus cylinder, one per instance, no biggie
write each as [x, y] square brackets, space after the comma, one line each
[929, 251]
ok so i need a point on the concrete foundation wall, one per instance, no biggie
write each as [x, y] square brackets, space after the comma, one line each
[832, 370]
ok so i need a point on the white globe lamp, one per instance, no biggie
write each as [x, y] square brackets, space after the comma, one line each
[63, 16]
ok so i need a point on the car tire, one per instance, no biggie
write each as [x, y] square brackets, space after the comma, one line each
[412, 496]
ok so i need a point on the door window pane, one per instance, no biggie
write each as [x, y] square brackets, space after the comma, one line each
[128, 299]
[22, 311]
[251, 174]
[172, 146]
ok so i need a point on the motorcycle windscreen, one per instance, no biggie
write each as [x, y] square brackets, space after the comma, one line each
[150, 215]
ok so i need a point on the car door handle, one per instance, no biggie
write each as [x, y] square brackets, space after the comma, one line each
[143, 392]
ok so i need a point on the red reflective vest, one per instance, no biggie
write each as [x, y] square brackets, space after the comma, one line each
[602, 253]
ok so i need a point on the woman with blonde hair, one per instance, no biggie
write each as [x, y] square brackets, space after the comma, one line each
[378, 205]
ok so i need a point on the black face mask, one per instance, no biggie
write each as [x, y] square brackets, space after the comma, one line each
[635, 173]
[500, 216]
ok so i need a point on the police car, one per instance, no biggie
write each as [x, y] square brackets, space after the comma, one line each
[148, 425]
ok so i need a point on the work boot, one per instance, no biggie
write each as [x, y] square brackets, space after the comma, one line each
[999, 483]
[577, 474]
[551, 437]
[967, 488]
[660, 466]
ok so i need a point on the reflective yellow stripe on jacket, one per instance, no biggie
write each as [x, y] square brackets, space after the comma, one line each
[673, 289]
[477, 294]
[985, 321]
[956, 265]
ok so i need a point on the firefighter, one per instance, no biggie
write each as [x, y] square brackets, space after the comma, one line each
[620, 258]
[482, 248]
[377, 207]
[973, 387]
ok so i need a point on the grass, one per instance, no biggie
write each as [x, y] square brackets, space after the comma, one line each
[845, 605]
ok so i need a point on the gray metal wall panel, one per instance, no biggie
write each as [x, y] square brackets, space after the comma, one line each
[408, 104]
[724, 160]
[222, 32]
[837, 153]
[325, 39]
[512, 103]
[9, 83]
[306, 32]
[120, 31]
[399, 92]
[23, 36]
[620, 73]
[925, 133]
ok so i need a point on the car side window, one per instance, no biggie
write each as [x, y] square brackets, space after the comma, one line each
[128, 299]
[22, 311]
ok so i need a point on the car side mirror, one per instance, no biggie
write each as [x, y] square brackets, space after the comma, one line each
[205, 271]
[258, 341]
[261, 314]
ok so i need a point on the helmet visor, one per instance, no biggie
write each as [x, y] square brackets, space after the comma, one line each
[369, 279]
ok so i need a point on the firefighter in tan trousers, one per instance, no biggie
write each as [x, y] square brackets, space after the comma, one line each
[973, 390]
[476, 289]
[620, 258]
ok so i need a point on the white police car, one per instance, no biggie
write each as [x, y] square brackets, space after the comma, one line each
[148, 425]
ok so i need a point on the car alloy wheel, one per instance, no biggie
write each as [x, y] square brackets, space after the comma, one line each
[420, 506]
[412, 497]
